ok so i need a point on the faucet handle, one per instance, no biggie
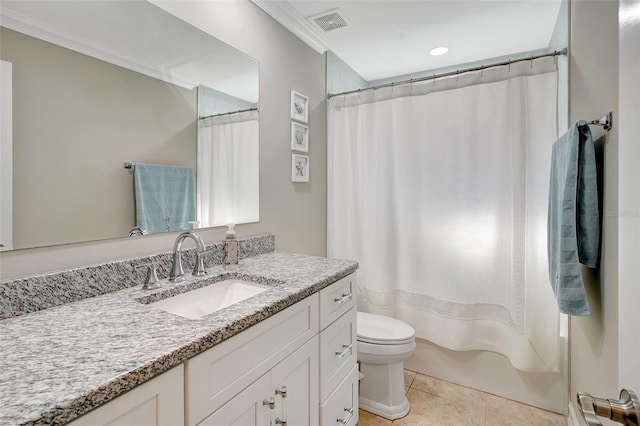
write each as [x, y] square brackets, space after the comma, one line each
[199, 269]
[151, 279]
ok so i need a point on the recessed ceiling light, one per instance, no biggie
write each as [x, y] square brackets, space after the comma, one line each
[438, 51]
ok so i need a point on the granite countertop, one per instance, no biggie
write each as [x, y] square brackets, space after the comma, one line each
[61, 362]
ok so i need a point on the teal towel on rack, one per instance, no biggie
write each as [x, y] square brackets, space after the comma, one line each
[165, 197]
[573, 227]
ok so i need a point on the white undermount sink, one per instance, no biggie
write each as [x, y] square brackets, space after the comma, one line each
[195, 304]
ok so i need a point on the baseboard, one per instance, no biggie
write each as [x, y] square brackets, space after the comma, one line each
[572, 418]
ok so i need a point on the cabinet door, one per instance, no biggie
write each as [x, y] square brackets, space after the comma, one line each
[245, 409]
[298, 375]
[158, 402]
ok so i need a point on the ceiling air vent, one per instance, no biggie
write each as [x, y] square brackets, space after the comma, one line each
[329, 21]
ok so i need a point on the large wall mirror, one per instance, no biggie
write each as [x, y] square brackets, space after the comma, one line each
[100, 84]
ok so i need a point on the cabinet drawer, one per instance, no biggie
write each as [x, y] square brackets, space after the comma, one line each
[341, 408]
[338, 346]
[337, 299]
[215, 376]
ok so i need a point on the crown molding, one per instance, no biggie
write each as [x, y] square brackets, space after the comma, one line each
[291, 19]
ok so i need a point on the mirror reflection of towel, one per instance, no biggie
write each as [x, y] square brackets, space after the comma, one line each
[573, 226]
[165, 197]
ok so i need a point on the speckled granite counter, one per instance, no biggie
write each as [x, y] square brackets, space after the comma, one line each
[61, 362]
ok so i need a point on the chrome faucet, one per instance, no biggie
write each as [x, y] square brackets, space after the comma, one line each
[177, 272]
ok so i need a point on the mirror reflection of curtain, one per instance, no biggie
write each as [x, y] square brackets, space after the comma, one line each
[440, 192]
[228, 169]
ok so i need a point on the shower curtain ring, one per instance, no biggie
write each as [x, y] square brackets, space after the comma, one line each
[531, 61]
[509, 69]
[434, 79]
[457, 75]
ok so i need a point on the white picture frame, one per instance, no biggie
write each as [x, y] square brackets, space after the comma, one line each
[299, 107]
[299, 168]
[299, 137]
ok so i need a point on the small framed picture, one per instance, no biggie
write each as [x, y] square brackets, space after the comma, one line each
[299, 107]
[299, 168]
[299, 137]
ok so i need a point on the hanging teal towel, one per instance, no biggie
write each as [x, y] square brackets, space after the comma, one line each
[165, 197]
[573, 227]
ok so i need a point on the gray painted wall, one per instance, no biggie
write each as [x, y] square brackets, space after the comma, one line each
[76, 121]
[294, 212]
[593, 92]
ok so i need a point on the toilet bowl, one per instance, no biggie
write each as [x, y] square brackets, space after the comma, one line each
[383, 344]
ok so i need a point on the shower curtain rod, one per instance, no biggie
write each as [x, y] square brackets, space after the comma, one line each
[228, 113]
[452, 73]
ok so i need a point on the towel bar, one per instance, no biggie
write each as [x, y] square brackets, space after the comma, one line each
[605, 122]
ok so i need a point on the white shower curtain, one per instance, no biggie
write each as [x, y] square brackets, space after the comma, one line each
[439, 190]
[228, 169]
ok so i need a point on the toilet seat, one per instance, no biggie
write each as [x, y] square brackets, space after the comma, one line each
[381, 330]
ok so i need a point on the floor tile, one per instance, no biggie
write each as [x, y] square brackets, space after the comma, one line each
[368, 419]
[409, 376]
[437, 402]
[447, 390]
[428, 409]
[503, 412]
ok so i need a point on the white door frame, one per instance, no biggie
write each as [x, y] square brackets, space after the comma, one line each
[629, 195]
[6, 156]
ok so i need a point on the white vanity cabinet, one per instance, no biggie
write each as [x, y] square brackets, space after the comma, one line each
[267, 372]
[297, 368]
[338, 353]
[285, 395]
[158, 402]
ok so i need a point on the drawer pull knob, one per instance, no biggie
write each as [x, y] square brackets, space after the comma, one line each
[281, 422]
[346, 419]
[345, 350]
[270, 403]
[282, 391]
[345, 298]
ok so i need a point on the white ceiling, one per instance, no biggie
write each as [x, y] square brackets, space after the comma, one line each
[393, 37]
[140, 36]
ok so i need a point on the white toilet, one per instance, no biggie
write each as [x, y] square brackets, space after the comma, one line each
[383, 344]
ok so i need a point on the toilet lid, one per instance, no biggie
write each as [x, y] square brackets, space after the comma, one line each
[383, 330]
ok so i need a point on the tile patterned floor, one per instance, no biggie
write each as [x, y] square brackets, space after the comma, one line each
[436, 402]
